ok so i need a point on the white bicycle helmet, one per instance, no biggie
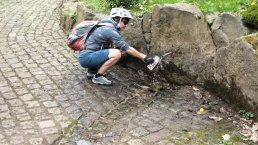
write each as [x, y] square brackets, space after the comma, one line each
[120, 12]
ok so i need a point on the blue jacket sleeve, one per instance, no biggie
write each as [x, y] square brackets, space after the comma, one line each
[117, 39]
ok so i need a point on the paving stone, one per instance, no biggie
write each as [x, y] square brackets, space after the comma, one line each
[21, 91]
[157, 136]
[15, 102]
[26, 97]
[145, 122]
[36, 141]
[49, 104]
[17, 140]
[52, 138]
[54, 110]
[18, 110]
[2, 101]
[4, 108]
[49, 131]
[135, 142]
[46, 124]
[139, 131]
[23, 117]
[2, 136]
[5, 89]
[27, 125]
[8, 123]
[32, 104]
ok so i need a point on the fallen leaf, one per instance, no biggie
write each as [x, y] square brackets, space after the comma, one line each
[198, 95]
[222, 110]
[195, 89]
[254, 137]
[215, 118]
[255, 127]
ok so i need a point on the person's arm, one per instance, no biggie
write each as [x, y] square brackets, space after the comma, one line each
[132, 51]
[147, 59]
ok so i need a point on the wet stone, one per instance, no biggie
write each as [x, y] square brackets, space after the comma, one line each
[154, 127]
[50, 104]
[73, 109]
[145, 122]
[139, 132]
[157, 136]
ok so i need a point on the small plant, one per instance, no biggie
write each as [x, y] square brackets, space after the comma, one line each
[73, 16]
[250, 16]
[228, 143]
[246, 114]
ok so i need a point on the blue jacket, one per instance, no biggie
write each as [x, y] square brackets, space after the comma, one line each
[104, 36]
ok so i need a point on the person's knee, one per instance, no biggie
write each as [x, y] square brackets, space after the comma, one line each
[115, 53]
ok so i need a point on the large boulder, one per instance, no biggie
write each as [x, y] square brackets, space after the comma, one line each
[181, 26]
[84, 12]
[226, 29]
[133, 35]
[232, 74]
[66, 12]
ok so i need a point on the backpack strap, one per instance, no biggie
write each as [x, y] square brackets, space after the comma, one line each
[106, 24]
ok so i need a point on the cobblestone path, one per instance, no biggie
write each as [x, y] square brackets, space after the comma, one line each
[45, 97]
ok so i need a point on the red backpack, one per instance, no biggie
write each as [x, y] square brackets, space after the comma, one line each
[81, 32]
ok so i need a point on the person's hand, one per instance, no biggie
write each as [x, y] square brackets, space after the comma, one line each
[148, 60]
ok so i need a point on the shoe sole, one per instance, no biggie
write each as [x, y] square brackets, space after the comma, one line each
[101, 83]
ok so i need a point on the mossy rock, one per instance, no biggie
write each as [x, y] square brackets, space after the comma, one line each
[250, 16]
[253, 40]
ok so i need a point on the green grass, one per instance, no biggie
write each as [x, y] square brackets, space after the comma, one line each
[205, 5]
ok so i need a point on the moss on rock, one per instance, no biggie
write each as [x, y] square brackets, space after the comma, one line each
[250, 16]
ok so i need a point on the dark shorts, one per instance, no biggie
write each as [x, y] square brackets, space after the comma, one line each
[93, 59]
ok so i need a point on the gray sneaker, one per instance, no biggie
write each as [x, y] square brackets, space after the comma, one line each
[101, 80]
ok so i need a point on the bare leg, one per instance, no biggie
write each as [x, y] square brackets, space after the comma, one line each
[114, 56]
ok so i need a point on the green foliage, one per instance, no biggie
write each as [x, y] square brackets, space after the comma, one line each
[228, 143]
[250, 16]
[246, 114]
[141, 6]
[124, 3]
[73, 16]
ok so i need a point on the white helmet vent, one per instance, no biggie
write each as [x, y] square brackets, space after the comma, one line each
[120, 12]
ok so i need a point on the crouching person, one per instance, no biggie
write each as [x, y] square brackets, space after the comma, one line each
[98, 57]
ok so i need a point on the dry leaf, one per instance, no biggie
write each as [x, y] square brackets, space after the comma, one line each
[254, 137]
[195, 89]
[215, 118]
